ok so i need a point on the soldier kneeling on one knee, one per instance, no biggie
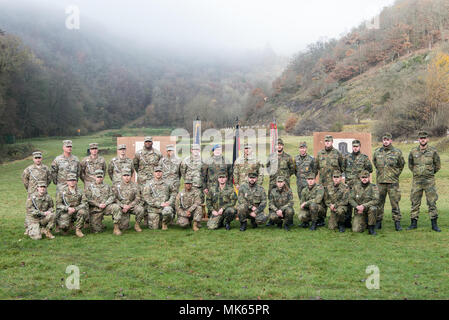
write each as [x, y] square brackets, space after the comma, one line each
[336, 197]
[281, 204]
[188, 206]
[40, 215]
[312, 203]
[221, 204]
[252, 202]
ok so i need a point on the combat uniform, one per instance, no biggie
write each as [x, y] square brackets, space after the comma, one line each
[217, 199]
[192, 167]
[212, 167]
[327, 161]
[244, 165]
[144, 163]
[188, 201]
[281, 199]
[251, 196]
[62, 166]
[314, 208]
[116, 166]
[280, 164]
[337, 195]
[303, 165]
[36, 221]
[89, 165]
[34, 173]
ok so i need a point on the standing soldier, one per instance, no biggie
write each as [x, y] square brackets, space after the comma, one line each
[353, 164]
[40, 215]
[128, 197]
[117, 164]
[171, 167]
[304, 164]
[336, 197]
[252, 202]
[90, 164]
[213, 166]
[246, 164]
[312, 203]
[63, 165]
[221, 201]
[281, 204]
[280, 164]
[424, 162]
[192, 167]
[101, 200]
[71, 207]
[389, 163]
[35, 172]
[145, 160]
[188, 206]
[364, 198]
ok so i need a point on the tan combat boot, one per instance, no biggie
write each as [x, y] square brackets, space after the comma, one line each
[137, 227]
[78, 233]
[48, 234]
[117, 231]
[195, 227]
[164, 226]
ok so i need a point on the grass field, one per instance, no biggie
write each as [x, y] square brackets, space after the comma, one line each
[265, 263]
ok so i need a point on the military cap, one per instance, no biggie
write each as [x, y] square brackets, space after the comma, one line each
[71, 176]
[148, 139]
[280, 179]
[328, 138]
[303, 144]
[222, 174]
[157, 168]
[93, 145]
[280, 141]
[126, 172]
[42, 184]
[121, 146]
[99, 173]
[67, 143]
[356, 143]
[387, 136]
[217, 146]
[37, 154]
[246, 146]
[336, 174]
[187, 181]
[170, 147]
[422, 134]
[252, 175]
[364, 174]
[310, 175]
[196, 146]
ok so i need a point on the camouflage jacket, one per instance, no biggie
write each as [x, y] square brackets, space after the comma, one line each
[211, 169]
[144, 163]
[336, 195]
[353, 164]
[281, 199]
[218, 198]
[32, 174]
[280, 165]
[36, 205]
[62, 166]
[155, 192]
[424, 163]
[171, 168]
[327, 161]
[253, 196]
[127, 194]
[88, 167]
[389, 163]
[67, 199]
[187, 201]
[366, 195]
[116, 166]
[304, 165]
[193, 167]
[313, 195]
[243, 166]
[97, 194]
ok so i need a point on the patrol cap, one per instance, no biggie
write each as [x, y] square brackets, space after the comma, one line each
[99, 173]
[42, 184]
[252, 175]
[280, 179]
[356, 143]
[71, 177]
[196, 146]
[67, 143]
[157, 168]
[217, 146]
[126, 172]
[37, 154]
[187, 181]
[170, 147]
[422, 134]
[280, 141]
[310, 175]
[336, 174]
[93, 145]
[328, 138]
[222, 174]
[121, 146]
[148, 139]
[364, 174]
[387, 136]
[303, 144]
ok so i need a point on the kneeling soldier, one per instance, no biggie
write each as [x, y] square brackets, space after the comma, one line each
[40, 216]
[252, 202]
[159, 198]
[188, 206]
[127, 195]
[336, 197]
[71, 207]
[281, 204]
[221, 203]
[312, 203]
[364, 198]
[100, 198]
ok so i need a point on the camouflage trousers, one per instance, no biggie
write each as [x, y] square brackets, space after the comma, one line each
[273, 185]
[311, 212]
[243, 211]
[64, 219]
[36, 225]
[174, 183]
[418, 187]
[301, 185]
[96, 218]
[196, 215]
[337, 216]
[394, 193]
[362, 219]
[158, 216]
[227, 216]
[137, 210]
[287, 216]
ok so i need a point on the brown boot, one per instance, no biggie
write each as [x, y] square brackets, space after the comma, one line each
[137, 227]
[48, 234]
[117, 231]
[164, 226]
[57, 229]
[78, 233]
[195, 227]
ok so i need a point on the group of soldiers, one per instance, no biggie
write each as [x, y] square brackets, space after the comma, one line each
[226, 191]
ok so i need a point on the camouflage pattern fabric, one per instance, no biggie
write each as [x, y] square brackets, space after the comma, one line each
[35, 219]
[61, 167]
[95, 195]
[88, 166]
[368, 196]
[32, 174]
[218, 198]
[303, 165]
[281, 199]
[193, 168]
[212, 167]
[353, 165]
[116, 167]
[144, 163]
[66, 199]
[328, 161]
[337, 195]
[129, 194]
[249, 196]
[314, 208]
[171, 168]
[154, 193]
[394, 193]
[243, 166]
[389, 163]
[280, 165]
[188, 201]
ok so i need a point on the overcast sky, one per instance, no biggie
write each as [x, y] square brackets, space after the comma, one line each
[286, 25]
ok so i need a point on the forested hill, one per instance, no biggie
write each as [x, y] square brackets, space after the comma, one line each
[54, 81]
[395, 72]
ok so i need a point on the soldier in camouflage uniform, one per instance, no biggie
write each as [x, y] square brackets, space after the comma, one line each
[353, 164]
[117, 164]
[128, 198]
[71, 207]
[171, 167]
[312, 203]
[220, 202]
[304, 164]
[145, 161]
[281, 204]
[245, 164]
[424, 162]
[188, 206]
[192, 167]
[364, 198]
[280, 164]
[63, 165]
[389, 163]
[35, 172]
[40, 215]
[213, 166]
[101, 200]
[336, 197]
[252, 201]
[90, 164]
[159, 198]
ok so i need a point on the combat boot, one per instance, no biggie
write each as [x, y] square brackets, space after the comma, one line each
[269, 223]
[280, 225]
[341, 227]
[435, 225]
[65, 231]
[254, 224]
[117, 231]
[371, 230]
[397, 225]
[195, 226]
[164, 226]
[48, 234]
[320, 222]
[228, 226]
[137, 227]
[243, 226]
[413, 225]
[313, 226]
[303, 225]
[379, 225]
[78, 233]
[287, 226]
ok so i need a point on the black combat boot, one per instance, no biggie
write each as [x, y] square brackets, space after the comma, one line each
[435, 225]
[413, 225]
[280, 225]
[243, 226]
[320, 222]
[287, 225]
[397, 225]
[341, 227]
[313, 226]
[348, 223]
[371, 230]
[379, 225]
[303, 225]
[254, 223]
[269, 223]
[228, 226]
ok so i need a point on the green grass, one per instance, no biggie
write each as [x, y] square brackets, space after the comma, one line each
[265, 263]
